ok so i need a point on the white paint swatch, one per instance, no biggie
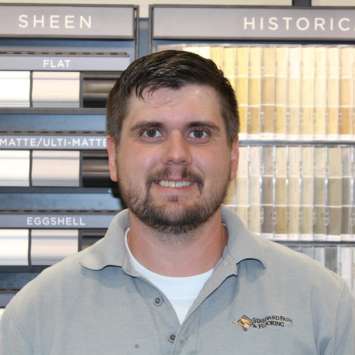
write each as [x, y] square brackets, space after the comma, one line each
[14, 167]
[14, 89]
[13, 246]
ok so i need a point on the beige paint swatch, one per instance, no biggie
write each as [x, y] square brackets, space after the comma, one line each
[333, 91]
[307, 96]
[268, 90]
[242, 87]
[217, 56]
[56, 89]
[320, 93]
[281, 91]
[294, 92]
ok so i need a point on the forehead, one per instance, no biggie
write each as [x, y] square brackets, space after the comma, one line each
[191, 102]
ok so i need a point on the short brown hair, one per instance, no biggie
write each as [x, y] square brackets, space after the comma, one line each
[170, 69]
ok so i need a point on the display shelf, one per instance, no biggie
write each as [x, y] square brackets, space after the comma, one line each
[62, 219]
[20, 270]
[51, 111]
[316, 243]
[94, 42]
[275, 197]
[59, 190]
[53, 140]
[6, 294]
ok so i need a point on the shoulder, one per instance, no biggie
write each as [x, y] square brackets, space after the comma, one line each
[50, 282]
[37, 304]
[298, 267]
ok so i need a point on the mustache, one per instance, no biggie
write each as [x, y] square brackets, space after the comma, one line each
[165, 173]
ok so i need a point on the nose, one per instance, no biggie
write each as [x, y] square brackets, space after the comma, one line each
[176, 150]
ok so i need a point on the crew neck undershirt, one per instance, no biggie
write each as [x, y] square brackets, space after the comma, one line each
[180, 291]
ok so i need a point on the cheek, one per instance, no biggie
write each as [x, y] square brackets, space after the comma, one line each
[135, 162]
[214, 162]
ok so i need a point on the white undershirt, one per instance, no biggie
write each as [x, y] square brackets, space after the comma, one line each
[181, 291]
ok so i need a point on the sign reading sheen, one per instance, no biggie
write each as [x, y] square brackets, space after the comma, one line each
[55, 21]
[67, 21]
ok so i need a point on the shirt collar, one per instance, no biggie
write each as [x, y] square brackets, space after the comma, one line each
[111, 250]
[242, 244]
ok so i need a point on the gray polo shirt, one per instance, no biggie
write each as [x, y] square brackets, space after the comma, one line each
[262, 298]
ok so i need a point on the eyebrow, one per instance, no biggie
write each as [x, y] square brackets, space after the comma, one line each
[203, 124]
[158, 124]
[146, 124]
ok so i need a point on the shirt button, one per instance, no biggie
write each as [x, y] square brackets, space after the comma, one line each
[172, 338]
[158, 301]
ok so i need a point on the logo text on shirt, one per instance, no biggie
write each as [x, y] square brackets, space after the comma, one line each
[260, 323]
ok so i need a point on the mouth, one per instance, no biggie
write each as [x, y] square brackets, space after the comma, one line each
[174, 184]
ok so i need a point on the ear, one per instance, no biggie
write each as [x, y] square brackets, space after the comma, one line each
[111, 149]
[234, 159]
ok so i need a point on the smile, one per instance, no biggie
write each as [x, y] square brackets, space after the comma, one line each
[174, 184]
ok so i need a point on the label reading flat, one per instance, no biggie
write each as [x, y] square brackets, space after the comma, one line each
[52, 142]
[67, 21]
[77, 63]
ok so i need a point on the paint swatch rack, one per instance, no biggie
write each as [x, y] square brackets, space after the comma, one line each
[57, 66]
[288, 92]
[296, 192]
[42, 238]
[30, 79]
[293, 71]
[54, 159]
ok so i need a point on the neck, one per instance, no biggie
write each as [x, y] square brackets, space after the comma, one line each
[178, 256]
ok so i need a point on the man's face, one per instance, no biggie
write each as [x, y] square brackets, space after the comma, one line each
[173, 163]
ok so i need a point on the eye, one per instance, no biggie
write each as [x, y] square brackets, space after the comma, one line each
[198, 134]
[151, 133]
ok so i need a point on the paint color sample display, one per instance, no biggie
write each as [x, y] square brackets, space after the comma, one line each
[55, 168]
[14, 246]
[14, 167]
[48, 246]
[289, 92]
[56, 89]
[14, 89]
[299, 193]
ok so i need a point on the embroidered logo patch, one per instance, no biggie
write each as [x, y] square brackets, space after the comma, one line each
[260, 323]
[244, 322]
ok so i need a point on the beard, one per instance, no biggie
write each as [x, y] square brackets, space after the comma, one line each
[172, 217]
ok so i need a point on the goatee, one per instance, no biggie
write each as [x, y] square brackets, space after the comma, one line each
[180, 220]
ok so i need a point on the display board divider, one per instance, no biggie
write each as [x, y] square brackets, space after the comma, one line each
[52, 140]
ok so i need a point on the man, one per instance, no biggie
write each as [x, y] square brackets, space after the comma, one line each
[177, 273]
